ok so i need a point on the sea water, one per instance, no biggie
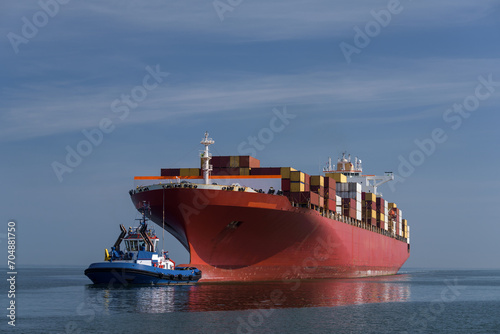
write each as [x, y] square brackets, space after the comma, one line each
[62, 300]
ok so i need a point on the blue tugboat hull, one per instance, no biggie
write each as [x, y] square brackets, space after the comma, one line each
[126, 273]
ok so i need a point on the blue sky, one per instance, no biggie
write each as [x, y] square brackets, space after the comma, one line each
[226, 77]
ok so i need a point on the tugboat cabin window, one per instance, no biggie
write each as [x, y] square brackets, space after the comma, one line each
[131, 245]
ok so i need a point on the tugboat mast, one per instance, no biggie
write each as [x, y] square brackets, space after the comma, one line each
[205, 158]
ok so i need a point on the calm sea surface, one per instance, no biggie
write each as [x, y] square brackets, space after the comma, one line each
[61, 300]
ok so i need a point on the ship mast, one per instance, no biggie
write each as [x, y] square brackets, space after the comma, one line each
[205, 158]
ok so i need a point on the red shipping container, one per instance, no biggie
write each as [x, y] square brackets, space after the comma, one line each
[285, 184]
[349, 202]
[314, 198]
[297, 198]
[330, 204]
[319, 190]
[350, 212]
[266, 171]
[330, 193]
[380, 203]
[226, 171]
[330, 183]
[170, 172]
[247, 161]
[220, 161]
[305, 197]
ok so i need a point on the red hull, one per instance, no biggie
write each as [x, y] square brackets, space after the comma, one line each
[241, 236]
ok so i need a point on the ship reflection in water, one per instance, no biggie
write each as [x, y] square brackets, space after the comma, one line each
[245, 296]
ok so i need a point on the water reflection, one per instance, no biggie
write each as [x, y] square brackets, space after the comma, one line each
[244, 296]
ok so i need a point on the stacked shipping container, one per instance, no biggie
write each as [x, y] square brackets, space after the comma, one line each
[233, 165]
[296, 185]
[351, 190]
[299, 181]
[381, 213]
[369, 208]
[243, 161]
[331, 192]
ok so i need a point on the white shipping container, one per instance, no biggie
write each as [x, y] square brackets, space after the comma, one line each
[400, 215]
[358, 215]
[358, 206]
[338, 200]
[386, 226]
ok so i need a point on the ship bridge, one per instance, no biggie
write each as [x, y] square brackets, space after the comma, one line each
[353, 173]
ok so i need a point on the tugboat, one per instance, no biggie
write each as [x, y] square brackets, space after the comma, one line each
[139, 262]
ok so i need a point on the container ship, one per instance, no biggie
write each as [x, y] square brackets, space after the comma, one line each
[243, 222]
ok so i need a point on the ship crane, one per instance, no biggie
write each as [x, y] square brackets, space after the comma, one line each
[372, 184]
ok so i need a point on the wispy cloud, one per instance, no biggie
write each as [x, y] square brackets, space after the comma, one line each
[352, 93]
[250, 21]
[93, 52]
